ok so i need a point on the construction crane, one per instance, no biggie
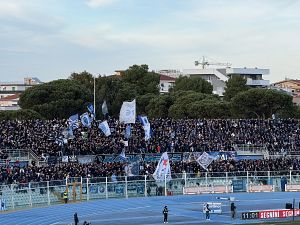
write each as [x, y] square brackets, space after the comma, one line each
[205, 63]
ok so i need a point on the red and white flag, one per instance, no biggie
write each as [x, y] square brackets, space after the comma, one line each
[163, 168]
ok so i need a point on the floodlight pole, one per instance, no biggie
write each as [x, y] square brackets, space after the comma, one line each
[94, 96]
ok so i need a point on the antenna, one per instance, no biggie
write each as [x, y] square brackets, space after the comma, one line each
[204, 63]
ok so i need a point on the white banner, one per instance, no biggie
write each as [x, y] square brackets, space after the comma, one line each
[205, 160]
[163, 168]
[128, 112]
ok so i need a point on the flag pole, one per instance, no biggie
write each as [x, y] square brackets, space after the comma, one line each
[94, 96]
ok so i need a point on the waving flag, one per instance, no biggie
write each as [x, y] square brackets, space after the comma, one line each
[205, 160]
[128, 112]
[104, 109]
[105, 128]
[146, 125]
[73, 121]
[163, 168]
[122, 155]
[90, 108]
[85, 120]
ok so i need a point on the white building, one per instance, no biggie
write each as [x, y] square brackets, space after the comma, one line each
[218, 76]
[10, 92]
[165, 83]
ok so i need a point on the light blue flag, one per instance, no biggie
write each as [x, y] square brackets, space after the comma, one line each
[73, 121]
[147, 130]
[127, 132]
[105, 128]
[85, 120]
[70, 134]
[122, 155]
[104, 108]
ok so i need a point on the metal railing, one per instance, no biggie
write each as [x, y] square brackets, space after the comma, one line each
[85, 189]
[17, 154]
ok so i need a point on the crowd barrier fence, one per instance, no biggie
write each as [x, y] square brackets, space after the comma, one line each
[16, 196]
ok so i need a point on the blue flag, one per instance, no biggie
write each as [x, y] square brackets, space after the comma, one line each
[143, 120]
[73, 121]
[90, 107]
[85, 120]
[127, 132]
[104, 108]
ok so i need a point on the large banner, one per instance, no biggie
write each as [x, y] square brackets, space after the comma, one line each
[150, 157]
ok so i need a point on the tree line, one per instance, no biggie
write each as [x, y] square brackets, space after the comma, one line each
[190, 97]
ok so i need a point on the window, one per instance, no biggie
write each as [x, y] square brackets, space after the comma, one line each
[13, 88]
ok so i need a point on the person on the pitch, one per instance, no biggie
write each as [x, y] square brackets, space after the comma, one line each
[233, 210]
[76, 220]
[65, 196]
[165, 212]
[207, 212]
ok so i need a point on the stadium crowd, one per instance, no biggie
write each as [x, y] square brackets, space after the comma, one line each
[184, 135]
[32, 173]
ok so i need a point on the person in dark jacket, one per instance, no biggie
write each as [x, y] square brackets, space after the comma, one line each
[233, 210]
[76, 220]
[207, 212]
[165, 213]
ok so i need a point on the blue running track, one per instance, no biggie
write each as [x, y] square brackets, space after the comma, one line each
[183, 210]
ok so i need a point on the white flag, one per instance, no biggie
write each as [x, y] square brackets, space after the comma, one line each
[163, 168]
[146, 125]
[105, 128]
[205, 160]
[128, 112]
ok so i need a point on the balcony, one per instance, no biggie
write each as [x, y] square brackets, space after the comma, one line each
[251, 82]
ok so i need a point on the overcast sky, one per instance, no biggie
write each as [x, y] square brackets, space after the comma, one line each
[50, 39]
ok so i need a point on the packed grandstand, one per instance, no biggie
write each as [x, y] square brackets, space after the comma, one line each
[50, 139]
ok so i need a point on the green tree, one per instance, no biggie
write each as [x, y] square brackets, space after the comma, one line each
[210, 109]
[158, 107]
[234, 85]
[260, 103]
[144, 81]
[21, 114]
[182, 101]
[84, 78]
[56, 99]
[196, 84]
[142, 101]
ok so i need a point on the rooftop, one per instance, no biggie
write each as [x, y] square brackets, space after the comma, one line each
[166, 78]
[11, 97]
